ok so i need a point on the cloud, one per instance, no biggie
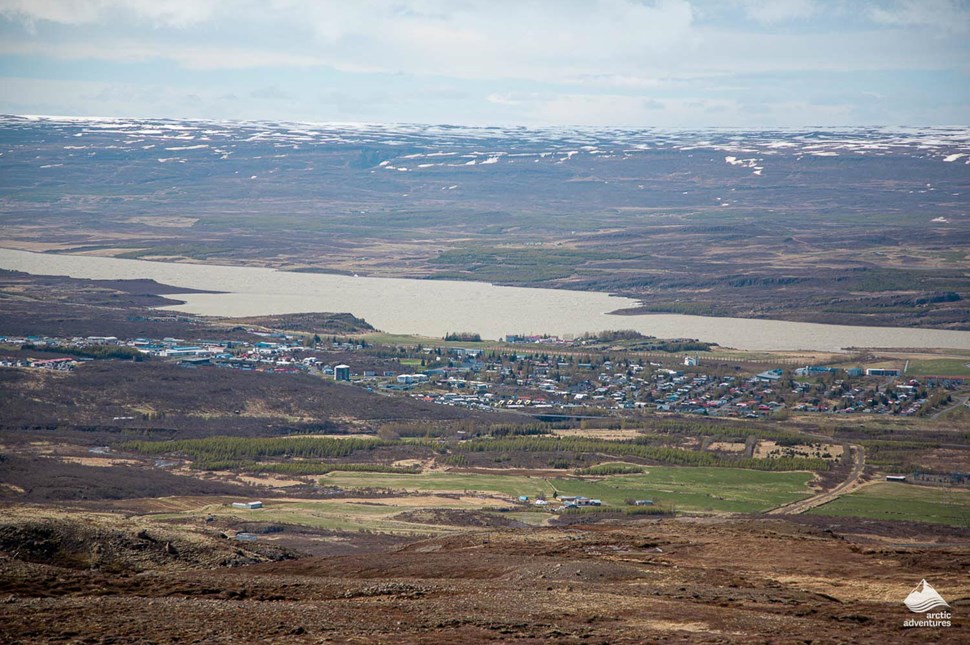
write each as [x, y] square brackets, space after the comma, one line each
[500, 38]
[663, 62]
[773, 12]
[456, 38]
[942, 15]
[174, 13]
[624, 45]
[193, 57]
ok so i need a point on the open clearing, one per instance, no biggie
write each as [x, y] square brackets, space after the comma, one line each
[939, 367]
[351, 514]
[689, 489]
[894, 501]
[715, 490]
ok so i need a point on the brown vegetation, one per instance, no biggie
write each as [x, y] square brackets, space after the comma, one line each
[632, 582]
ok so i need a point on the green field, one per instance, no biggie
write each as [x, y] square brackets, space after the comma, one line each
[893, 501]
[381, 338]
[939, 367]
[688, 489]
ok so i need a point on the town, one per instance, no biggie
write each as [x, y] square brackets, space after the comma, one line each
[540, 376]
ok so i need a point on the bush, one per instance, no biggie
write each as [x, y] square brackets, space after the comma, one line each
[611, 469]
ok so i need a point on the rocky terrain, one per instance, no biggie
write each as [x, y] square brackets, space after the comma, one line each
[698, 580]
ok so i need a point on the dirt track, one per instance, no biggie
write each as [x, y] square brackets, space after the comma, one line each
[853, 482]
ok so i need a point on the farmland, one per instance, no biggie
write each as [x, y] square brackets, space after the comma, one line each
[687, 489]
[902, 502]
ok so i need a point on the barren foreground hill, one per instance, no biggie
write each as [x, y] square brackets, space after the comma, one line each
[689, 580]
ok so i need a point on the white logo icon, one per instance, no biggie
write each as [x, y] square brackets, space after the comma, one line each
[924, 598]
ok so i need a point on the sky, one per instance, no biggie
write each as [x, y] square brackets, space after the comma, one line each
[636, 63]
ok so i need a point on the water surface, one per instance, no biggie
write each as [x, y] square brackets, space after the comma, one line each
[434, 307]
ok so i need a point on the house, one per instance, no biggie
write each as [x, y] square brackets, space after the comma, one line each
[53, 363]
[771, 375]
[814, 369]
[873, 371]
[249, 506]
[183, 351]
[409, 379]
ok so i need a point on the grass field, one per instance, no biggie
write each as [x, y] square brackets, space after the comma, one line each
[381, 338]
[939, 367]
[686, 489]
[891, 501]
[689, 489]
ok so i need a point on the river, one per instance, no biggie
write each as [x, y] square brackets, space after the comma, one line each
[435, 307]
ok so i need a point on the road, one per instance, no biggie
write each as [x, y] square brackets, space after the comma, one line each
[851, 483]
[960, 400]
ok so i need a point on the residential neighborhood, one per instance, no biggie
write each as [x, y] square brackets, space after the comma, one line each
[540, 382]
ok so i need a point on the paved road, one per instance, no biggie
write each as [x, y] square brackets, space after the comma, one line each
[851, 483]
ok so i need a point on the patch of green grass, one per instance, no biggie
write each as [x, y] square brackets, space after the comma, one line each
[380, 338]
[512, 485]
[893, 501]
[939, 367]
[697, 489]
[692, 489]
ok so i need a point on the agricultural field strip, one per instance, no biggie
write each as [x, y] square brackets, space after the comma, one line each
[696, 489]
[892, 501]
[688, 489]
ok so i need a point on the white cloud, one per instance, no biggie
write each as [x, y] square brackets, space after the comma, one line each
[628, 45]
[460, 39]
[500, 38]
[663, 62]
[773, 12]
[173, 13]
[196, 57]
[943, 15]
